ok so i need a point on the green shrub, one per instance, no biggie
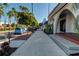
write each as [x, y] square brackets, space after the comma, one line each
[48, 29]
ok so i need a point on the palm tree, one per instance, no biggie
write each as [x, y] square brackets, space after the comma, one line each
[15, 14]
[5, 5]
[1, 11]
[10, 15]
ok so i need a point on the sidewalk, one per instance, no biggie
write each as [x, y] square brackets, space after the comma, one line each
[39, 44]
[67, 46]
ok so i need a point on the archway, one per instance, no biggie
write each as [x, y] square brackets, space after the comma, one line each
[65, 22]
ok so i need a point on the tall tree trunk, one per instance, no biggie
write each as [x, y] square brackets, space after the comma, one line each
[5, 22]
[16, 21]
[10, 25]
[9, 30]
[0, 21]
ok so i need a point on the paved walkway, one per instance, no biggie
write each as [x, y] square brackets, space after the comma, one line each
[39, 44]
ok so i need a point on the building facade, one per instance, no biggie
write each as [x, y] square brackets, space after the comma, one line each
[65, 18]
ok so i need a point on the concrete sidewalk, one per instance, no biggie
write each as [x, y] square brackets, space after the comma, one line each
[39, 44]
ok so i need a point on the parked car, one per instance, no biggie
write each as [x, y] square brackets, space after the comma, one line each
[19, 30]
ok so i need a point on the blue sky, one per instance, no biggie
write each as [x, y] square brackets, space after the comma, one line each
[40, 10]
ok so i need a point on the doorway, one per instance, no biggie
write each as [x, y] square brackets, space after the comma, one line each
[63, 25]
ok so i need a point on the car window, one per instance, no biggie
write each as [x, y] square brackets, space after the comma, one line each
[17, 29]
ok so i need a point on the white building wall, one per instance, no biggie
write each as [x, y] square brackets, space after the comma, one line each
[69, 25]
[55, 23]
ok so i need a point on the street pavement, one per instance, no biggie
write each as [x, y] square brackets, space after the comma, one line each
[39, 44]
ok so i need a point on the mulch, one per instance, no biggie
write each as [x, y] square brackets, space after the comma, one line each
[25, 36]
[71, 37]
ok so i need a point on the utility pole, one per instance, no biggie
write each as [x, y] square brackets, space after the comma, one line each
[31, 18]
[32, 8]
[48, 10]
